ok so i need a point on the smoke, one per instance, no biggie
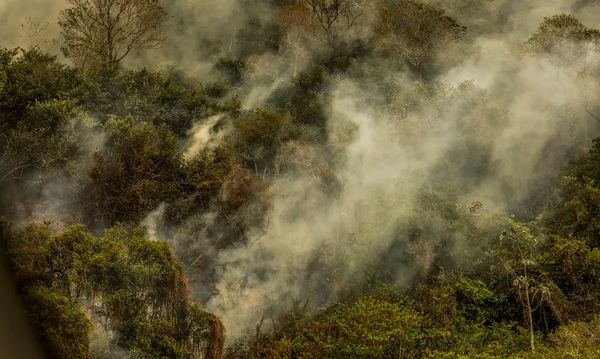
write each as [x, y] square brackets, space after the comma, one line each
[48, 196]
[32, 23]
[200, 136]
[514, 20]
[310, 229]
[104, 342]
[499, 127]
[152, 222]
[198, 32]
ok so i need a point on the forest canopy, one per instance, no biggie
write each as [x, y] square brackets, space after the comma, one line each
[302, 178]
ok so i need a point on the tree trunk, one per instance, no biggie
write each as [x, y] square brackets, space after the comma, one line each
[529, 314]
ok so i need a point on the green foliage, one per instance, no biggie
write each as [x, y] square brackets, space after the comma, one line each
[563, 35]
[55, 315]
[41, 126]
[572, 252]
[385, 325]
[154, 97]
[204, 175]
[498, 340]
[139, 166]
[370, 328]
[574, 340]
[577, 213]
[258, 135]
[135, 285]
[303, 99]
[31, 76]
[258, 36]
[476, 300]
[47, 138]
[63, 327]
[232, 68]
[440, 234]
[479, 285]
[416, 32]
[575, 269]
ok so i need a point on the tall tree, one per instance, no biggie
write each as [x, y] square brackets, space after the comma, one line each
[519, 251]
[101, 33]
[564, 35]
[126, 282]
[334, 17]
[415, 31]
[328, 21]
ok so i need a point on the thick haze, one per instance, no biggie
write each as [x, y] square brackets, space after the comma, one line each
[199, 31]
[524, 111]
[19, 19]
[528, 109]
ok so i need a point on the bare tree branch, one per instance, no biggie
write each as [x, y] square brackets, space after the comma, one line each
[101, 33]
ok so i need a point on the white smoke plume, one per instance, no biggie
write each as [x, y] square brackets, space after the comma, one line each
[201, 136]
[529, 109]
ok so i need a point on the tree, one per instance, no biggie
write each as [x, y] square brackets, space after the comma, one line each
[576, 212]
[574, 340]
[28, 77]
[44, 131]
[203, 177]
[47, 138]
[334, 17]
[575, 268]
[130, 284]
[563, 35]
[565, 41]
[57, 317]
[519, 254]
[415, 31]
[101, 33]
[258, 134]
[372, 327]
[329, 21]
[139, 167]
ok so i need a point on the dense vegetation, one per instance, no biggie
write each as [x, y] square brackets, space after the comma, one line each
[480, 238]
